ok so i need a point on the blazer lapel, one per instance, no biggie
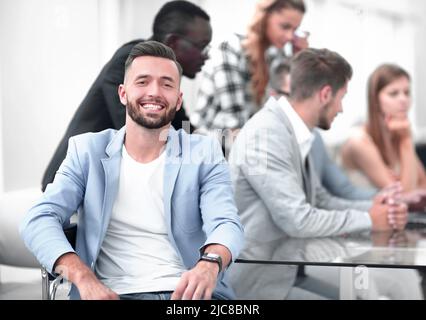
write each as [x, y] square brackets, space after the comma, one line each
[303, 170]
[111, 166]
[307, 177]
[171, 170]
[274, 106]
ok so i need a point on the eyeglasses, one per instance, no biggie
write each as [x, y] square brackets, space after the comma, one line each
[204, 50]
[283, 93]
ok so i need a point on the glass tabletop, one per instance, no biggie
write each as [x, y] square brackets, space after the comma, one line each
[404, 249]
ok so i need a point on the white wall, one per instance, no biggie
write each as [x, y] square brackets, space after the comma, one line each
[228, 17]
[50, 54]
[1, 131]
[420, 66]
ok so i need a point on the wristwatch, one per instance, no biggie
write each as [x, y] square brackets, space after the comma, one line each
[212, 257]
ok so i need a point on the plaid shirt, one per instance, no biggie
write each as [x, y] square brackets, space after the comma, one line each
[224, 99]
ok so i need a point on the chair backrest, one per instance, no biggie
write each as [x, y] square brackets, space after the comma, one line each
[13, 207]
[71, 234]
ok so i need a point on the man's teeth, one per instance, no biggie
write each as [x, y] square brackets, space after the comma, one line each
[152, 107]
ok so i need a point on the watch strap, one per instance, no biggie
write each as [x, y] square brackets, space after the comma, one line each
[212, 257]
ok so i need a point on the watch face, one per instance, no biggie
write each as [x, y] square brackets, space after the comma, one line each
[213, 257]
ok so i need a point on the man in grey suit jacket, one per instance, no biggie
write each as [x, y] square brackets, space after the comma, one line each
[331, 176]
[277, 191]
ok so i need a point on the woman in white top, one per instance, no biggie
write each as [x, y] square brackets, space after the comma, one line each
[383, 149]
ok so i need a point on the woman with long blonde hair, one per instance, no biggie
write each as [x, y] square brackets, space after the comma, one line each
[234, 80]
[383, 150]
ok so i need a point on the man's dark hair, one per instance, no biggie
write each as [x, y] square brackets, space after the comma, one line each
[174, 17]
[278, 74]
[312, 69]
[153, 49]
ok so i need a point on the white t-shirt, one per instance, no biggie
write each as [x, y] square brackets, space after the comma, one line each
[136, 254]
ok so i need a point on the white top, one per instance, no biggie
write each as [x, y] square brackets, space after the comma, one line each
[304, 136]
[137, 255]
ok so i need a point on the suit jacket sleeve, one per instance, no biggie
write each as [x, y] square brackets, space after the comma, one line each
[42, 229]
[222, 224]
[269, 167]
[332, 177]
[326, 200]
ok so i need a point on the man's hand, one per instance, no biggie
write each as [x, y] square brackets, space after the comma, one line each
[197, 283]
[388, 213]
[72, 268]
[378, 214]
[397, 213]
[91, 288]
[397, 207]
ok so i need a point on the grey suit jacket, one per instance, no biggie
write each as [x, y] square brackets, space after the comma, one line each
[332, 177]
[276, 197]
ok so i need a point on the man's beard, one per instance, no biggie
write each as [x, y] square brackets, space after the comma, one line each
[323, 122]
[149, 122]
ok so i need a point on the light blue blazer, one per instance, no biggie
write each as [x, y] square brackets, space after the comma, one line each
[198, 200]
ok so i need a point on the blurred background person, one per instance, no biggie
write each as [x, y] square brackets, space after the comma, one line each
[335, 180]
[382, 151]
[333, 177]
[276, 187]
[234, 81]
[280, 79]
